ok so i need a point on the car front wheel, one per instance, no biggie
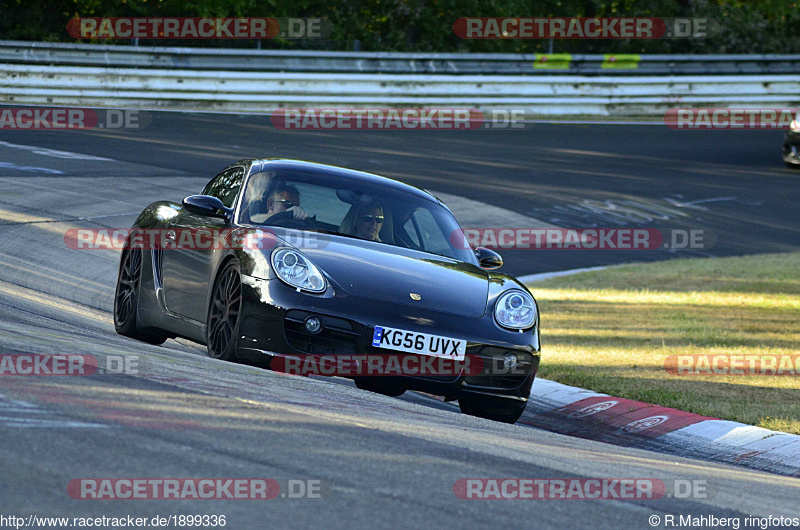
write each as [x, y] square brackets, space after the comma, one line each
[222, 322]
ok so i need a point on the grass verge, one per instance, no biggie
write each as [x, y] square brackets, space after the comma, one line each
[613, 330]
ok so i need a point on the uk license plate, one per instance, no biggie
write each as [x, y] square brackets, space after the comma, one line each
[421, 343]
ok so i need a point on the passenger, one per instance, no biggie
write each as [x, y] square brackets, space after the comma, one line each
[364, 221]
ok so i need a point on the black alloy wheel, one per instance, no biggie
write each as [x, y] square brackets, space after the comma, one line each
[222, 327]
[126, 300]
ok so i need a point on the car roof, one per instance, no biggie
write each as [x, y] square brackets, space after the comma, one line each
[264, 164]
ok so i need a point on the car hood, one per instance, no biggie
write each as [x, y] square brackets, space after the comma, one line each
[377, 271]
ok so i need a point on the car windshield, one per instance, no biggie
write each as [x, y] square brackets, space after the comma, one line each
[336, 205]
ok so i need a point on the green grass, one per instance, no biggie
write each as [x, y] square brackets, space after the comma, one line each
[612, 330]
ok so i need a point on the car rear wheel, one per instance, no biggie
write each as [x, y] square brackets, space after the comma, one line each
[222, 324]
[126, 300]
[381, 385]
[492, 408]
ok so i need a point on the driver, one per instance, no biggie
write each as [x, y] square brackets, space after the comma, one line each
[285, 198]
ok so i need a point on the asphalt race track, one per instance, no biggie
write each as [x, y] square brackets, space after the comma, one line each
[380, 461]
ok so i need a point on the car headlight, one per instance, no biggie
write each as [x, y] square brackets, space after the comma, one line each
[297, 270]
[516, 310]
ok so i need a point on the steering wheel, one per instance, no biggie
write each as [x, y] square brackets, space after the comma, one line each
[287, 220]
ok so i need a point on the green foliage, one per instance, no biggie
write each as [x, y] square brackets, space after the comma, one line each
[744, 26]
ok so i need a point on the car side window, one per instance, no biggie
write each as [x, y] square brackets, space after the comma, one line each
[225, 186]
[431, 238]
[411, 233]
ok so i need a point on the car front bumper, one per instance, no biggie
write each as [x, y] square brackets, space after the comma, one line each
[272, 326]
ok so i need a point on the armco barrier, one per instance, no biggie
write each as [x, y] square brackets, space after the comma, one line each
[243, 60]
[188, 78]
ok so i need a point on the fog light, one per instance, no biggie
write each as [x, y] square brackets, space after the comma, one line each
[510, 361]
[314, 325]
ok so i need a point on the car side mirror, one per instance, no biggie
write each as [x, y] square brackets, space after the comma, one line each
[206, 205]
[488, 259]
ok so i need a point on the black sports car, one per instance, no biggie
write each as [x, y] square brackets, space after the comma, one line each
[791, 144]
[281, 260]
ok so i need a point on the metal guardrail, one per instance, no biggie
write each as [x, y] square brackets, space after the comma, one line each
[43, 73]
[241, 60]
[254, 91]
